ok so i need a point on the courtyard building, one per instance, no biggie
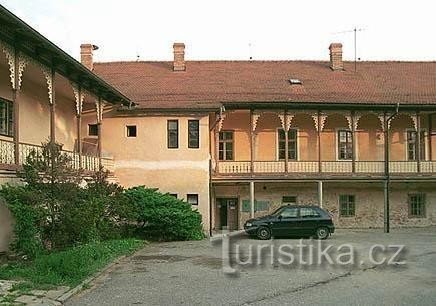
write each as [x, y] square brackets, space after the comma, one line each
[235, 139]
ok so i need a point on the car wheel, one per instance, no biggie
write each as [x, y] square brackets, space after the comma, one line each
[322, 233]
[264, 233]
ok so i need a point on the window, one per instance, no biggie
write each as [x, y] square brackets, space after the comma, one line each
[289, 212]
[347, 206]
[226, 145]
[92, 130]
[412, 149]
[289, 200]
[192, 199]
[292, 144]
[417, 205]
[131, 130]
[173, 195]
[345, 145]
[173, 134]
[307, 212]
[6, 118]
[193, 134]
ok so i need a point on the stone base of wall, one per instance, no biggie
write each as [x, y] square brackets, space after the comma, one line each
[369, 199]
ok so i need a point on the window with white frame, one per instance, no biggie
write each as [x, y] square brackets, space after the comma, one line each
[412, 148]
[345, 145]
[292, 144]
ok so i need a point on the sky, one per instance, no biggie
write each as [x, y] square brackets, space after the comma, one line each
[235, 29]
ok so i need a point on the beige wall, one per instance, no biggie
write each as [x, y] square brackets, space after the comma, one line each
[35, 111]
[369, 201]
[146, 160]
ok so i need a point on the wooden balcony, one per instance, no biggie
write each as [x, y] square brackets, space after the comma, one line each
[243, 168]
[85, 162]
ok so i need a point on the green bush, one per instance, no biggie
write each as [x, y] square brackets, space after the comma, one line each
[27, 238]
[164, 217]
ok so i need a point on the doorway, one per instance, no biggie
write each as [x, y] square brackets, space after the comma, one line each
[227, 213]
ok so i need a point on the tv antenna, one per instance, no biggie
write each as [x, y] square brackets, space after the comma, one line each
[355, 30]
[250, 51]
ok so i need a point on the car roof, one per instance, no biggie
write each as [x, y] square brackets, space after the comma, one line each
[300, 206]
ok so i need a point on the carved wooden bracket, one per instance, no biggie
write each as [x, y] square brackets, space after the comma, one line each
[255, 119]
[79, 97]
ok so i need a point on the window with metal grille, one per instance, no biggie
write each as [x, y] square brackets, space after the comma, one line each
[192, 199]
[193, 134]
[173, 134]
[417, 205]
[6, 118]
[347, 205]
[345, 145]
[412, 148]
[292, 144]
[226, 145]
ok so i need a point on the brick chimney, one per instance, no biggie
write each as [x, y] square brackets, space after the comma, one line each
[179, 57]
[336, 62]
[86, 55]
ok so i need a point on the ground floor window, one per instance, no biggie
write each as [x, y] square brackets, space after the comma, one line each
[6, 118]
[417, 205]
[347, 205]
[192, 199]
[289, 200]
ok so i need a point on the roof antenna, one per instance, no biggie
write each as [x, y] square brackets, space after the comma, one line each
[250, 51]
[355, 30]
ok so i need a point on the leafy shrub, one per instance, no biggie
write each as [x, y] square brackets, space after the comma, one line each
[164, 217]
[27, 239]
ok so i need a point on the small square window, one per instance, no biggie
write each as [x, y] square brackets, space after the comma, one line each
[173, 195]
[192, 199]
[92, 130]
[289, 200]
[131, 130]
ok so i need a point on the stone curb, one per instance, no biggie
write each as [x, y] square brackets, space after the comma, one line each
[67, 295]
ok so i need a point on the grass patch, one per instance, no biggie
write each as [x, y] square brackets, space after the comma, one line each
[69, 267]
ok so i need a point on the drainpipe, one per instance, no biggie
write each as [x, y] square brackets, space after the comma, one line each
[387, 120]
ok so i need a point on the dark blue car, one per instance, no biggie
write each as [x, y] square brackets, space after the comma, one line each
[292, 220]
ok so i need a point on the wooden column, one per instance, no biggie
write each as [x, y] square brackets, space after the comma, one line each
[285, 125]
[430, 136]
[353, 140]
[53, 107]
[319, 141]
[217, 144]
[16, 108]
[99, 122]
[418, 140]
[251, 143]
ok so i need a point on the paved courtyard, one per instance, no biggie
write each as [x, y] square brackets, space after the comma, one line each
[191, 273]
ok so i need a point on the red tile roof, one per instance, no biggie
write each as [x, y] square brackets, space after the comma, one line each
[208, 83]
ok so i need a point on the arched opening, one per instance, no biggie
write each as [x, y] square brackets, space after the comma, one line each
[370, 138]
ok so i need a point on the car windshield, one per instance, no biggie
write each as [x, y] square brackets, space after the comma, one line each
[277, 211]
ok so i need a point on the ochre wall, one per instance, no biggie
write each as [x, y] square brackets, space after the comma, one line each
[146, 160]
[369, 136]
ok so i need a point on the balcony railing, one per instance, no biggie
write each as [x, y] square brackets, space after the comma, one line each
[328, 167]
[88, 163]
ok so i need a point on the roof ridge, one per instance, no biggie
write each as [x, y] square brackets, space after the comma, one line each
[264, 61]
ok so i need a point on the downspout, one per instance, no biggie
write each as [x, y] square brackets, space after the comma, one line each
[387, 171]
[218, 117]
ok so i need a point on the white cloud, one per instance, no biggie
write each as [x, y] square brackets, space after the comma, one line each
[224, 29]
